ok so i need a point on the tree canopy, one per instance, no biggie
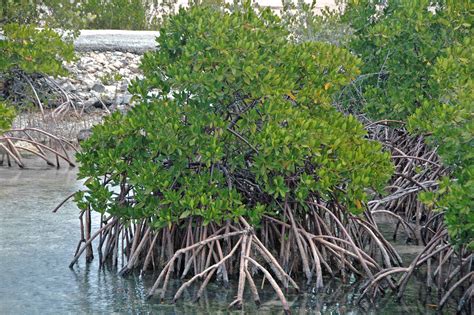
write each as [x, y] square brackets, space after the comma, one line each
[233, 119]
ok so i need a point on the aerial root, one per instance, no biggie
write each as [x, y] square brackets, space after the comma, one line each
[443, 265]
[322, 240]
[25, 89]
[43, 145]
[244, 240]
[213, 251]
[417, 168]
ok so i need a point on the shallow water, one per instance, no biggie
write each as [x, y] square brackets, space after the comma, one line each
[36, 247]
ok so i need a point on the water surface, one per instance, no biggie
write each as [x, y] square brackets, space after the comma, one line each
[36, 247]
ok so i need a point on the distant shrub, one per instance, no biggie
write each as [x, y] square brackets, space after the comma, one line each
[117, 14]
[57, 14]
[306, 22]
[87, 14]
[33, 50]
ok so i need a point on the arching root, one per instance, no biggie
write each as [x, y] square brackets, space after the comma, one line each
[321, 241]
[417, 168]
[447, 270]
[37, 142]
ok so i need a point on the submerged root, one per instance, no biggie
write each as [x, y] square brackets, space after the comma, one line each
[448, 271]
[417, 169]
[321, 241]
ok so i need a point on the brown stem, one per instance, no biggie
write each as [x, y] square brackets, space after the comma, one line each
[240, 289]
[281, 274]
[88, 242]
[183, 250]
[304, 257]
[203, 273]
[454, 287]
[273, 283]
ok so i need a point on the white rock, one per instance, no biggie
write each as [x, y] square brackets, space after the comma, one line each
[92, 102]
[124, 72]
[88, 83]
[126, 98]
[110, 90]
[87, 73]
[124, 85]
[123, 98]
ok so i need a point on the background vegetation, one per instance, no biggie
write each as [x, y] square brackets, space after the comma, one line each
[417, 67]
[88, 14]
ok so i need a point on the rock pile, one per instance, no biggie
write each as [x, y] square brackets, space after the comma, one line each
[101, 79]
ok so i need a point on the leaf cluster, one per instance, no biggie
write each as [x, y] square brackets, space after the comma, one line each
[418, 68]
[233, 119]
[33, 50]
[399, 42]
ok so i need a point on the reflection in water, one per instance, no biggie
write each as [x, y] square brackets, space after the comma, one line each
[36, 247]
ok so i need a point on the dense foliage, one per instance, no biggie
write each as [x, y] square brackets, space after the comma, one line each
[418, 68]
[26, 55]
[399, 42]
[233, 121]
[450, 120]
[33, 50]
[88, 14]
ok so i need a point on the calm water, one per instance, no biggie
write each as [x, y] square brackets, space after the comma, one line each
[36, 247]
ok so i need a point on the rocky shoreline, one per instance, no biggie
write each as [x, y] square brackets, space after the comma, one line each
[100, 78]
[97, 85]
